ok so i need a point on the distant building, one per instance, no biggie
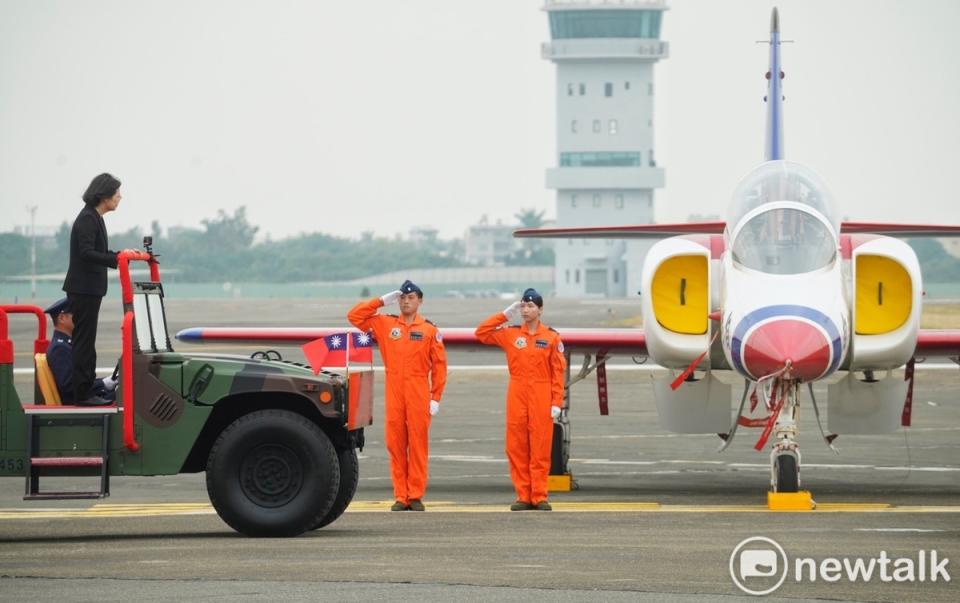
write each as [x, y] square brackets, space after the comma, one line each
[424, 235]
[606, 171]
[488, 244]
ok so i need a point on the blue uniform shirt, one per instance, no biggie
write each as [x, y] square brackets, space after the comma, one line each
[60, 360]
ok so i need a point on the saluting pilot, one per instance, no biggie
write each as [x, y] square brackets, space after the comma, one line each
[534, 397]
[416, 368]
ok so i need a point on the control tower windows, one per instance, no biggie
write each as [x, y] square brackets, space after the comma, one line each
[601, 159]
[608, 89]
[596, 200]
[596, 126]
[641, 23]
[583, 88]
[573, 202]
[613, 126]
[618, 201]
[570, 89]
[626, 85]
[573, 126]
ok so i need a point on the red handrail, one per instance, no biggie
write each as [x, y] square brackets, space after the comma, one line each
[126, 331]
[6, 346]
[123, 260]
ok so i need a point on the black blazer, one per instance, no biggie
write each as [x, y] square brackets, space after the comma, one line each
[89, 256]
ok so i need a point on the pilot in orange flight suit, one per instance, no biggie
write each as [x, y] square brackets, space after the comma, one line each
[412, 350]
[534, 396]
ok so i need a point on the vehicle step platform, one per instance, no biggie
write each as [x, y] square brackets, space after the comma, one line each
[66, 461]
[64, 495]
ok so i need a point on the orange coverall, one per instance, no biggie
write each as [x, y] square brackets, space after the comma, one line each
[410, 354]
[537, 368]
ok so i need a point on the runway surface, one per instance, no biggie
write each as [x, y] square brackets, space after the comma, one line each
[657, 515]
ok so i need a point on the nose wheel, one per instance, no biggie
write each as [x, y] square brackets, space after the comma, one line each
[785, 454]
[785, 473]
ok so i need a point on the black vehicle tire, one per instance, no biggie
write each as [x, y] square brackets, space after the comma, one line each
[788, 477]
[272, 473]
[349, 478]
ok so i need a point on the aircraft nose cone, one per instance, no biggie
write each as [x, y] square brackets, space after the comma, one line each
[769, 347]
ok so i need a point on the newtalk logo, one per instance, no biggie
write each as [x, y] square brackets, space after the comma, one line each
[760, 566]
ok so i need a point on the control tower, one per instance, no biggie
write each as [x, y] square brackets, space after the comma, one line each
[606, 169]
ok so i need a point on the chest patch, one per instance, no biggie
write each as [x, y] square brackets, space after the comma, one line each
[416, 336]
[395, 333]
[520, 343]
[541, 344]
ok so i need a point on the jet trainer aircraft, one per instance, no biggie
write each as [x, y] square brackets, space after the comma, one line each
[782, 292]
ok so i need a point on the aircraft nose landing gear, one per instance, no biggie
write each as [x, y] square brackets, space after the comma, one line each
[785, 493]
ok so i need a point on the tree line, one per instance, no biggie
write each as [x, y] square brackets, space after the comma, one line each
[225, 249]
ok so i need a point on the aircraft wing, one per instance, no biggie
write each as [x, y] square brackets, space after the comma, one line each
[612, 340]
[660, 231]
[635, 231]
[901, 230]
[937, 342]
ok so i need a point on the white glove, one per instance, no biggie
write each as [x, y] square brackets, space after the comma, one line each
[391, 298]
[109, 384]
[434, 407]
[554, 412]
[512, 311]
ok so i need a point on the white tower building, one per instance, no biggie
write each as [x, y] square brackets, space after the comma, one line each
[606, 172]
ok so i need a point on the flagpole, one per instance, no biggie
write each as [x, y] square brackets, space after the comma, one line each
[349, 337]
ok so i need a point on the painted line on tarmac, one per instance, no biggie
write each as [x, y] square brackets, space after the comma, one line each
[169, 509]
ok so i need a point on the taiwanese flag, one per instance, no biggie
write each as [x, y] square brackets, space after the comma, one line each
[361, 347]
[326, 351]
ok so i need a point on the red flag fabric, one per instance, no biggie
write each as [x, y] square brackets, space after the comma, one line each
[361, 347]
[326, 351]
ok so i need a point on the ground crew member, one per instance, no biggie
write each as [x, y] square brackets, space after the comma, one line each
[534, 397]
[412, 351]
[60, 355]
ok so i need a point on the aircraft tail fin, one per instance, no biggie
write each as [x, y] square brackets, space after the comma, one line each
[774, 144]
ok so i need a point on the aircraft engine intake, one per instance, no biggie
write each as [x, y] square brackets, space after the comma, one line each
[676, 275]
[886, 303]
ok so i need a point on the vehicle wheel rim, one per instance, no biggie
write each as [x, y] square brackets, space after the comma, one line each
[271, 475]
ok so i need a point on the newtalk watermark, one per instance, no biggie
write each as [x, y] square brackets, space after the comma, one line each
[759, 566]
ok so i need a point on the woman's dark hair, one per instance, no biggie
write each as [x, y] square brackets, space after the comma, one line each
[102, 187]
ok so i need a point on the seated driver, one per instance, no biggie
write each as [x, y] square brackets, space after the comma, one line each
[60, 356]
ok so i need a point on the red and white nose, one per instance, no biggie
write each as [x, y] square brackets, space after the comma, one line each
[770, 346]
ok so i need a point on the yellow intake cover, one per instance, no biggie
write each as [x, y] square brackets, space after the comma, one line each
[884, 295]
[681, 294]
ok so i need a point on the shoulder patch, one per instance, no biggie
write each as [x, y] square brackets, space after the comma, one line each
[428, 321]
[554, 330]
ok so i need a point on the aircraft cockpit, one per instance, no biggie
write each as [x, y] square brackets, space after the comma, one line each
[782, 220]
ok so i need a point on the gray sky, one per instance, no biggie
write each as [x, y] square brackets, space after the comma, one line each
[381, 115]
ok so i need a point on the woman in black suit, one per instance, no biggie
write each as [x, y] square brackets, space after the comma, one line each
[86, 281]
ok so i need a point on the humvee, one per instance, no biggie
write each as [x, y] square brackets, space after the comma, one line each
[278, 442]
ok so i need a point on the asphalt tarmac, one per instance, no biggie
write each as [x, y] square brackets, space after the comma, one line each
[656, 517]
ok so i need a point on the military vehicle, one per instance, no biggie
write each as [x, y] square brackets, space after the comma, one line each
[277, 441]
